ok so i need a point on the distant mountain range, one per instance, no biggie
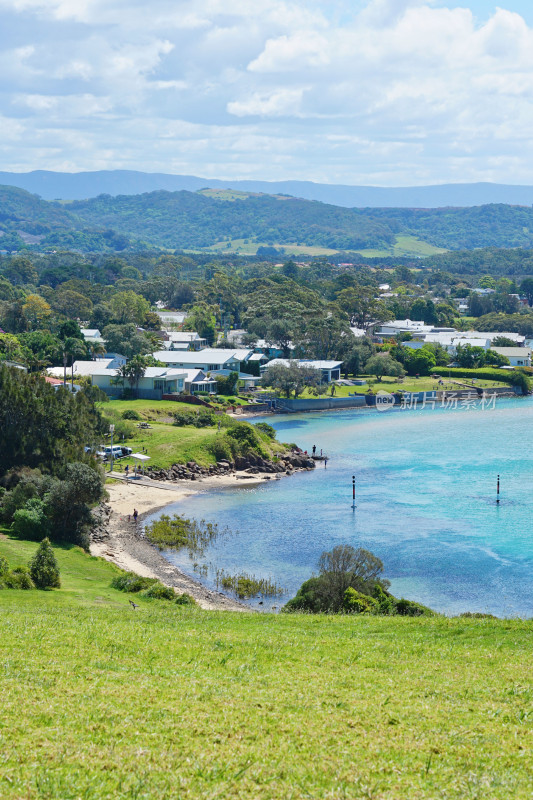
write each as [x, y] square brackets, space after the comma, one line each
[84, 185]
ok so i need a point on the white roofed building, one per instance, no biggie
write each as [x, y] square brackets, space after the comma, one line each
[331, 370]
[209, 359]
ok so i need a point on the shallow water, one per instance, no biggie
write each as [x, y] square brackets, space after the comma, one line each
[426, 489]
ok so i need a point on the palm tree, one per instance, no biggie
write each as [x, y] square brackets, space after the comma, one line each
[96, 349]
[71, 347]
[136, 371]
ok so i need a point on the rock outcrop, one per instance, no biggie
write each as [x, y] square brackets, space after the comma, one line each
[252, 464]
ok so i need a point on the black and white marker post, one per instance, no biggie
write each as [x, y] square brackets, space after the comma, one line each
[353, 493]
[498, 492]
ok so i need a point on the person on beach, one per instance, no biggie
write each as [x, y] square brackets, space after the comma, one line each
[314, 449]
[325, 462]
[135, 514]
[127, 471]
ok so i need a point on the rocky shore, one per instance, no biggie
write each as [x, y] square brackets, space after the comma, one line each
[117, 538]
[251, 465]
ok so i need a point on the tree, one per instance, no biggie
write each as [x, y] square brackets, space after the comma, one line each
[73, 304]
[526, 288]
[291, 270]
[126, 340]
[342, 568]
[44, 569]
[360, 352]
[36, 309]
[503, 341]
[291, 378]
[43, 428]
[71, 348]
[382, 364]
[201, 319]
[129, 307]
[420, 362]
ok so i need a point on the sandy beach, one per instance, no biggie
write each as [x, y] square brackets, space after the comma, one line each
[123, 542]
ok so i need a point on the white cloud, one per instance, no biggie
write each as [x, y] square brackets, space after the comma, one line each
[399, 91]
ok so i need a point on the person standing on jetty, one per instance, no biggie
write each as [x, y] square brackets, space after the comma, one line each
[314, 449]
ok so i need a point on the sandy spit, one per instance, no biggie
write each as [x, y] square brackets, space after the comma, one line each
[124, 544]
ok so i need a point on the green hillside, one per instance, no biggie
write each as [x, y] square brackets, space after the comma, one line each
[230, 221]
[101, 701]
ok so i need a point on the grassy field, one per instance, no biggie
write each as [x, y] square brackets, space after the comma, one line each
[408, 384]
[164, 443]
[404, 246]
[100, 701]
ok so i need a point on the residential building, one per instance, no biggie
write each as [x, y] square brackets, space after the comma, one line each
[518, 356]
[209, 359]
[331, 370]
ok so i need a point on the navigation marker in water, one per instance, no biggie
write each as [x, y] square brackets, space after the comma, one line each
[498, 492]
[353, 493]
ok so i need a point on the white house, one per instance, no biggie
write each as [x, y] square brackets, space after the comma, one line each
[331, 370]
[171, 319]
[183, 340]
[156, 382]
[518, 356]
[88, 368]
[396, 326]
[209, 359]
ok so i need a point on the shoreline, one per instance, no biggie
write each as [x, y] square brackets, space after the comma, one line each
[120, 540]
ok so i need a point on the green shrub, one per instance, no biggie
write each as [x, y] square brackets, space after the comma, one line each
[31, 521]
[130, 582]
[267, 429]
[95, 394]
[130, 413]
[185, 600]
[18, 578]
[44, 569]
[198, 419]
[4, 566]
[220, 448]
[159, 592]
[357, 603]
[408, 608]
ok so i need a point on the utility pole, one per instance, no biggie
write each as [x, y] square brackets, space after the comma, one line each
[111, 431]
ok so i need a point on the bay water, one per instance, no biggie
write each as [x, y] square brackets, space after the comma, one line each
[426, 505]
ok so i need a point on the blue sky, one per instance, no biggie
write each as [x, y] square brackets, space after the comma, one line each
[375, 92]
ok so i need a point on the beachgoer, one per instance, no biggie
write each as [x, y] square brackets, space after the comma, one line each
[135, 514]
[127, 470]
[325, 462]
[314, 449]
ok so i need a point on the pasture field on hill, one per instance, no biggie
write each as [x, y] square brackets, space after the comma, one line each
[100, 701]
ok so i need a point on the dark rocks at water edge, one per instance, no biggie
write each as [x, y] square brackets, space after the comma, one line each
[252, 464]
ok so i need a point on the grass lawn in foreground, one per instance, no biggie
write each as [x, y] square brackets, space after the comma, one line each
[100, 701]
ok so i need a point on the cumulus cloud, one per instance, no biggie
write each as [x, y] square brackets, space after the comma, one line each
[393, 92]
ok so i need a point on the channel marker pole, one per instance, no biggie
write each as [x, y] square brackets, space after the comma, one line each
[353, 493]
[498, 492]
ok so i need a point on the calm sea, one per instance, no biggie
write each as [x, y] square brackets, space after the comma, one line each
[426, 490]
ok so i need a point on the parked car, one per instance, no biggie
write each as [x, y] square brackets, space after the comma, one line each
[115, 451]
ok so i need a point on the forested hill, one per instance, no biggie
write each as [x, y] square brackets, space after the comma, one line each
[187, 219]
[196, 220]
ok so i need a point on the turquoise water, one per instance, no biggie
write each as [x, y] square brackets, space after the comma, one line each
[426, 488]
